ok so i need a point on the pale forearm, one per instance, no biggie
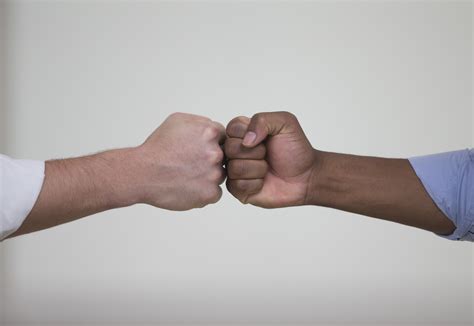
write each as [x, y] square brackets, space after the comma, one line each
[377, 187]
[179, 167]
[78, 187]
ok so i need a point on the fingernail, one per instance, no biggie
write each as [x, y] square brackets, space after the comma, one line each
[249, 138]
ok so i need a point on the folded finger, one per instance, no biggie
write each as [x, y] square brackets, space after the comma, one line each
[234, 150]
[237, 127]
[246, 169]
[242, 189]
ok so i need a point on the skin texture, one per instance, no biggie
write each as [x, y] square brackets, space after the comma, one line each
[270, 163]
[179, 167]
[292, 173]
[284, 172]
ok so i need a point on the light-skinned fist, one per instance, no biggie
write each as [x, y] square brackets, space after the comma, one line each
[180, 166]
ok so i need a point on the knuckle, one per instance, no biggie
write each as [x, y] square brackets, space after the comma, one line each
[175, 115]
[211, 132]
[237, 120]
[230, 129]
[242, 119]
[215, 156]
[259, 118]
[216, 175]
[233, 129]
[288, 116]
[212, 195]
[233, 188]
[231, 123]
[237, 126]
[220, 155]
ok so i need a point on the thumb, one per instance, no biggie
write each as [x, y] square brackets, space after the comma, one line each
[267, 124]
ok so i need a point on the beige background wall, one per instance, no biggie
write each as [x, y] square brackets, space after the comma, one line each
[2, 132]
[388, 79]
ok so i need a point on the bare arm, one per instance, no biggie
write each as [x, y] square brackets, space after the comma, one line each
[378, 187]
[292, 173]
[78, 187]
[179, 167]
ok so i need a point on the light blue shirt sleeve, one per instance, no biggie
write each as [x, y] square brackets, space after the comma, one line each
[449, 180]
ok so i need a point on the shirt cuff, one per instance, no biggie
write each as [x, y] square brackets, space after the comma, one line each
[449, 180]
[20, 185]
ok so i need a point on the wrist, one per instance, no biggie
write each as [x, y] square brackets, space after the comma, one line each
[120, 175]
[318, 180]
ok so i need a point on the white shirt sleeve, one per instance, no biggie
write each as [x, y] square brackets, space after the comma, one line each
[20, 185]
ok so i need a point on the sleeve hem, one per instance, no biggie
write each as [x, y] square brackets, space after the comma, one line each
[429, 169]
[21, 182]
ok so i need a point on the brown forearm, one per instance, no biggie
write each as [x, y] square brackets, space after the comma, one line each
[378, 187]
[78, 187]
